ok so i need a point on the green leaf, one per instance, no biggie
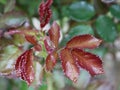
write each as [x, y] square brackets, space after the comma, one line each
[29, 6]
[98, 51]
[3, 1]
[77, 30]
[65, 10]
[106, 28]
[1, 9]
[81, 11]
[43, 87]
[118, 27]
[55, 14]
[81, 29]
[115, 11]
[23, 85]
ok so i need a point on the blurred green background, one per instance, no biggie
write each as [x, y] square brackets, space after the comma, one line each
[100, 18]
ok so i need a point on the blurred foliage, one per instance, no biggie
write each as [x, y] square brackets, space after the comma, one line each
[76, 17]
[86, 11]
[104, 25]
[115, 10]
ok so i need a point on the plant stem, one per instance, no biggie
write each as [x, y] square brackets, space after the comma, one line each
[49, 81]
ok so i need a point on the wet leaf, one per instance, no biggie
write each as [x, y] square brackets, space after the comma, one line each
[80, 30]
[88, 61]
[38, 47]
[49, 45]
[54, 34]
[106, 28]
[24, 66]
[51, 60]
[77, 30]
[115, 10]
[81, 11]
[84, 41]
[45, 12]
[69, 65]
[29, 33]
[31, 39]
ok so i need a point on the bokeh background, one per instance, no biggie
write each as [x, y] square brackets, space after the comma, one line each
[100, 18]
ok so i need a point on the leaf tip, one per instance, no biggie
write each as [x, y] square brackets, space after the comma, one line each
[45, 12]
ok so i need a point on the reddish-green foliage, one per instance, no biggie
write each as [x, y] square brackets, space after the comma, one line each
[24, 66]
[45, 12]
[73, 56]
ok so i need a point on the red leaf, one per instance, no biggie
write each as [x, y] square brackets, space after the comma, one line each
[84, 41]
[38, 47]
[49, 45]
[88, 61]
[51, 60]
[31, 39]
[54, 34]
[45, 12]
[49, 3]
[69, 65]
[24, 66]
